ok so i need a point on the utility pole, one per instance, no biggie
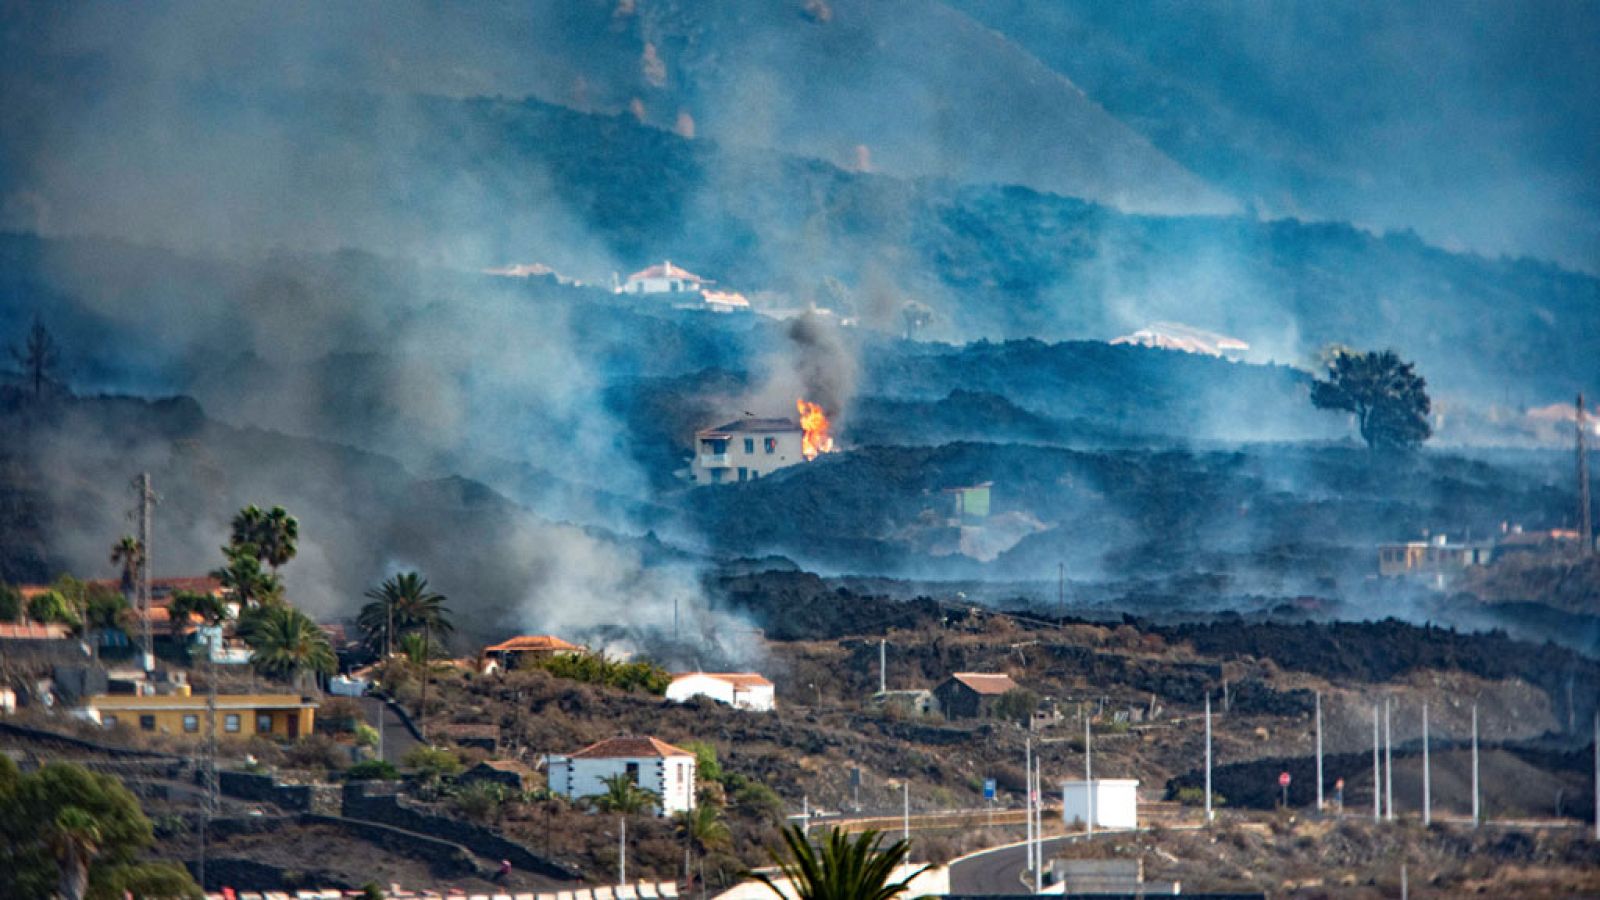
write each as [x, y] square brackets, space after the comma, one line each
[1427, 774]
[1388, 760]
[1474, 765]
[622, 851]
[208, 804]
[1027, 797]
[1377, 771]
[1088, 772]
[1039, 823]
[1319, 751]
[1597, 775]
[905, 814]
[883, 665]
[147, 498]
[1209, 814]
[1061, 590]
[1585, 522]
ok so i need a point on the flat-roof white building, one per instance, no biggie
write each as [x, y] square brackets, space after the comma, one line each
[1109, 802]
[742, 690]
[652, 764]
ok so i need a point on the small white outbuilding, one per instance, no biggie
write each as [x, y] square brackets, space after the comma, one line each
[1108, 802]
[741, 690]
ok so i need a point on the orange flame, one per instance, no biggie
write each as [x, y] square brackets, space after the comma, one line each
[814, 423]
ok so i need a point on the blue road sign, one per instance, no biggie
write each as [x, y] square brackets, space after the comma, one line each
[988, 789]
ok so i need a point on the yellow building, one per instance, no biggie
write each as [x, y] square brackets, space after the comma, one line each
[238, 715]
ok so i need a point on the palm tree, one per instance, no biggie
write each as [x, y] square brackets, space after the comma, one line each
[286, 644]
[74, 839]
[247, 526]
[129, 554]
[403, 604]
[622, 795]
[243, 576]
[279, 538]
[702, 830]
[842, 868]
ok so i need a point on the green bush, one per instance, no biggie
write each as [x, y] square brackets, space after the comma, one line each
[480, 801]
[433, 763]
[596, 668]
[10, 603]
[372, 770]
[1194, 796]
[706, 766]
[755, 798]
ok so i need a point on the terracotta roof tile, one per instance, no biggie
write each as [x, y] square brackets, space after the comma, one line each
[533, 643]
[630, 748]
[737, 679]
[986, 682]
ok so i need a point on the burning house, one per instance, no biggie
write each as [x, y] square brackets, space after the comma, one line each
[750, 448]
[688, 290]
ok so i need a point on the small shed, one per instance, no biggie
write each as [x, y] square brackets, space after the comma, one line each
[1110, 802]
[971, 695]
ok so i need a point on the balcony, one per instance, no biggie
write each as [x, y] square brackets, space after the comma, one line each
[714, 461]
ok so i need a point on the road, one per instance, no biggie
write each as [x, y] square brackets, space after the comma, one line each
[999, 871]
[397, 739]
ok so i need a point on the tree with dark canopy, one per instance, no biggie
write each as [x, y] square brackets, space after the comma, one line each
[69, 833]
[1388, 397]
[39, 357]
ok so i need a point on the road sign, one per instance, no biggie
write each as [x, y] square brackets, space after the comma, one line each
[1283, 779]
[988, 789]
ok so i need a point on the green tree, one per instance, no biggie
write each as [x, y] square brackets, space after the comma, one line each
[1388, 397]
[129, 554]
[1016, 705]
[51, 606]
[841, 868]
[243, 576]
[403, 604]
[702, 828]
[213, 610]
[10, 603]
[286, 644]
[274, 535]
[66, 832]
[622, 796]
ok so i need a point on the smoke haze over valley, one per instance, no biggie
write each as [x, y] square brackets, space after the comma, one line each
[264, 236]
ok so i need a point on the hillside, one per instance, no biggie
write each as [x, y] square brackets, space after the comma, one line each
[65, 468]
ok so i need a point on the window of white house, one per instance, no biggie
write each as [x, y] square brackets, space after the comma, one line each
[749, 445]
[771, 444]
[191, 724]
[230, 723]
[633, 772]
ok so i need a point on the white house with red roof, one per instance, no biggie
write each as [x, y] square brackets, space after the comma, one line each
[652, 764]
[663, 279]
[741, 690]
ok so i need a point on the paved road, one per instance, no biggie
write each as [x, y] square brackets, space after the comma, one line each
[397, 739]
[999, 871]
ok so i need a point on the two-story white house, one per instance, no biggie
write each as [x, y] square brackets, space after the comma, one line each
[741, 690]
[746, 449]
[655, 765]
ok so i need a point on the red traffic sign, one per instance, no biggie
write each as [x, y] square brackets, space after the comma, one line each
[1283, 779]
